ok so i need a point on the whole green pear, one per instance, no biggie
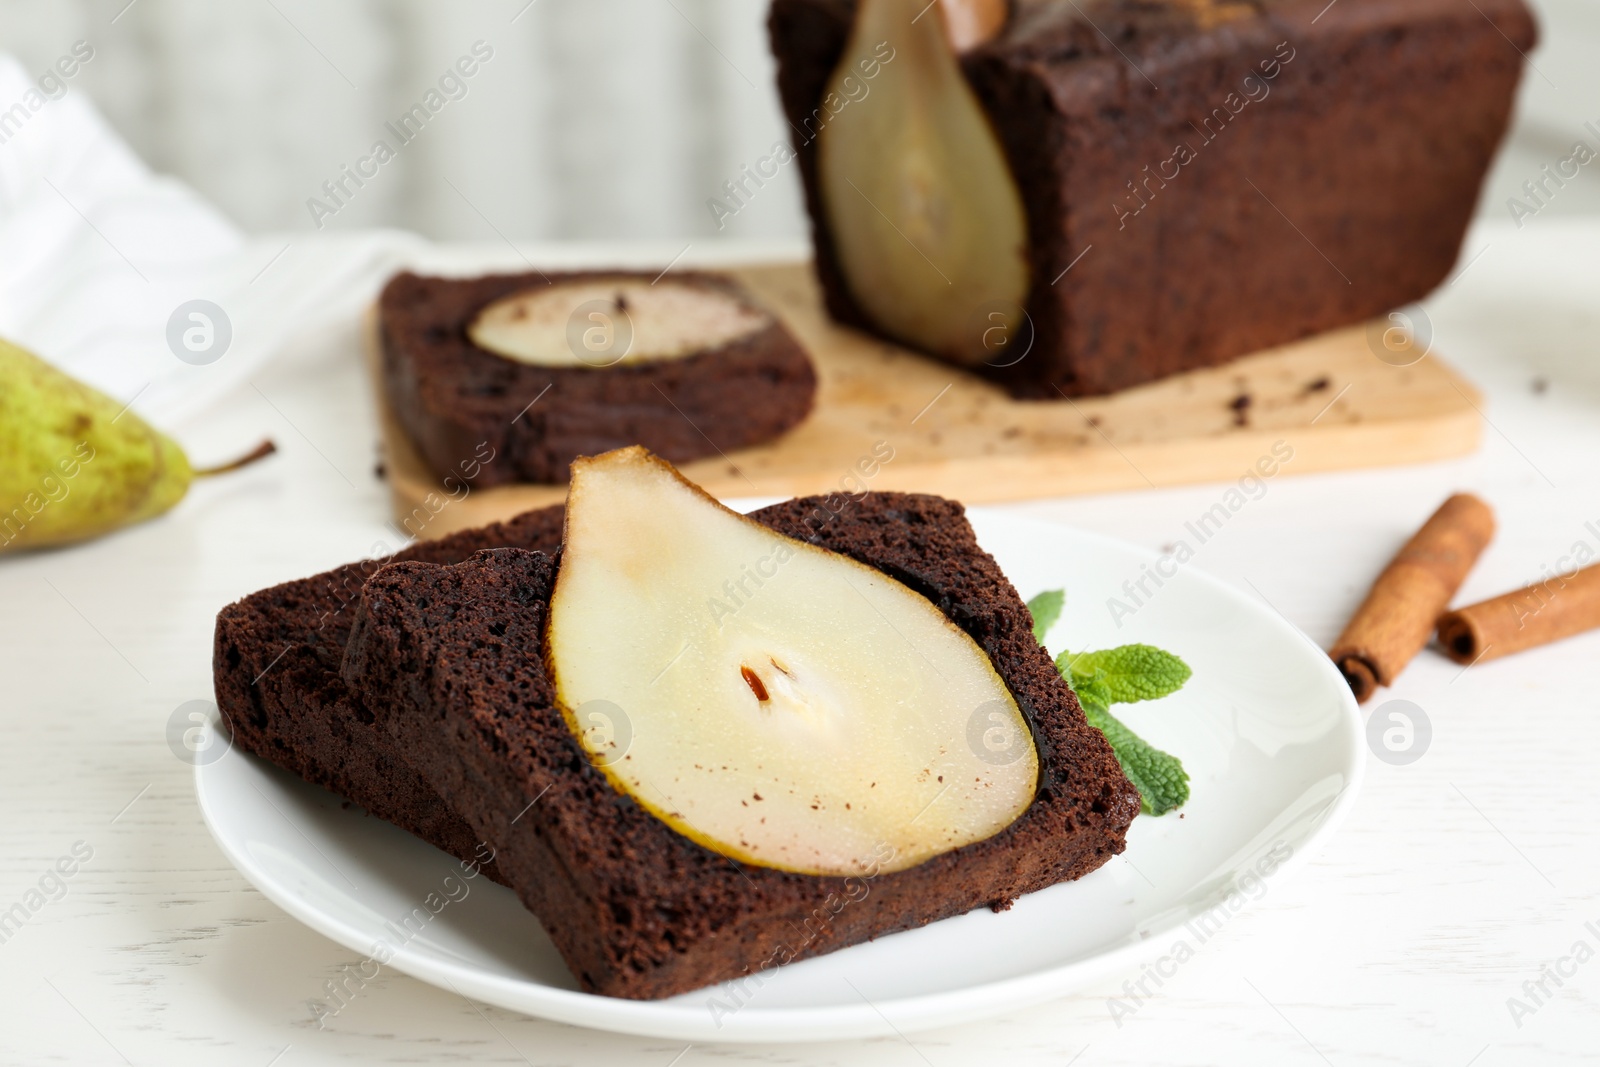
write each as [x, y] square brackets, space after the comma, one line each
[74, 464]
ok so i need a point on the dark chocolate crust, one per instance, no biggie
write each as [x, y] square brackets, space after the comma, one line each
[453, 658]
[468, 410]
[1341, 193]
[275, 662]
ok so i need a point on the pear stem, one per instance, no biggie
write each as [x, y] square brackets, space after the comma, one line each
[261, 451]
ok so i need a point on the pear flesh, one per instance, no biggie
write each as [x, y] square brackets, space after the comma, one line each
[778, 703]
[926, 219]
[602, 322]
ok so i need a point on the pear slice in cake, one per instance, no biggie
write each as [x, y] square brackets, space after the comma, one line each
[776, 702]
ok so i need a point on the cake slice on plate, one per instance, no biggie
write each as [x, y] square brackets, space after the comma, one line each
[704, 744]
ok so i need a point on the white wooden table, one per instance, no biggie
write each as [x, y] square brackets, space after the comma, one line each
[1457, 879]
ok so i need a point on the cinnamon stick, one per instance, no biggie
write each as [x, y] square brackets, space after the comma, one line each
[1548, 611]
[1398, 616]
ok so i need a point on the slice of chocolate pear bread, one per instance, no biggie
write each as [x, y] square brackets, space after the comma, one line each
[458, 667]
[509, 377]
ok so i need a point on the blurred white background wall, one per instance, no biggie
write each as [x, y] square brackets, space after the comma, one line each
[592, 118]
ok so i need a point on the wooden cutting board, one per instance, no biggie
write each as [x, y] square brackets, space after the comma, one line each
[1330, 399]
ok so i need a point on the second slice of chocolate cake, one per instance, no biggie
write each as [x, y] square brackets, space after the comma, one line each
[507, 378]
[275, 667]
[453, 662]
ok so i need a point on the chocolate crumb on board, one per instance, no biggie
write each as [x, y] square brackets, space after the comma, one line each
[1241, 409]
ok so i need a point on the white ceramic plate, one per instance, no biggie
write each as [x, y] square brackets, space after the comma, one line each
[1267, 730]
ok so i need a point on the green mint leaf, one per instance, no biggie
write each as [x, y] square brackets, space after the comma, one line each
[1123, 675]
[1046, 610]
[1162, 782]
[1091, 688]
[1132, 673]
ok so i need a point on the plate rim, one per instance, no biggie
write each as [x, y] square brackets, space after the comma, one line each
[888, 1017]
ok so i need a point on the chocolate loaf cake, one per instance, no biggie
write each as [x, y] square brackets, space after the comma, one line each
[276, 664]
[572, 371]
[1201, 178]
[451, 659]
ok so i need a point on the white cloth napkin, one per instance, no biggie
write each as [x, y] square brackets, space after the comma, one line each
[97, 253]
